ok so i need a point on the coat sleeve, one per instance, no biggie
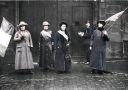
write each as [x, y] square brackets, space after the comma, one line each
[91, 40]
[40, 40]
[69, 40]
[30, 40]
[17, 37]
[55, 41]
[52, 39]
[87, 33]
[105, 37]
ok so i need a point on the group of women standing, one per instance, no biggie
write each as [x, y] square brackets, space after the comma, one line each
[54, 51]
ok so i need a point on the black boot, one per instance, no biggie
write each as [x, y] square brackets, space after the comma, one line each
[94, 71]
[100, 72]
[29, 71]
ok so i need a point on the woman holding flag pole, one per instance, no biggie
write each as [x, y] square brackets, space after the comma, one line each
[98, 43]
[23, 57]
[98, 46]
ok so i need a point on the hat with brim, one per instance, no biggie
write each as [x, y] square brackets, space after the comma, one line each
[102, 22]
[22, 23]
[45, 23]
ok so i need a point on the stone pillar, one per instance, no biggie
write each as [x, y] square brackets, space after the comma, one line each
[96, 11]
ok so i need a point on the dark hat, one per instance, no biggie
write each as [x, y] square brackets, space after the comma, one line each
[102, 22]
[63, 23]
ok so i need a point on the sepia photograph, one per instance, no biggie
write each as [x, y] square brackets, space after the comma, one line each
[63, 45]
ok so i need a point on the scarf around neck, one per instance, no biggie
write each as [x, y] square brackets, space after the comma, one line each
[63, 34]
[46, 33]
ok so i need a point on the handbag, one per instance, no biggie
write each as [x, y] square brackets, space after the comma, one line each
[68, 57]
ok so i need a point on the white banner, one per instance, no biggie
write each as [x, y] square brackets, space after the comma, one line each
[4, 38]
[6, 31]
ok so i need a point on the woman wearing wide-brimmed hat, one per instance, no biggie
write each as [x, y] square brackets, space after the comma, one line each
[46, 60]
[23, 57]
[98, 45]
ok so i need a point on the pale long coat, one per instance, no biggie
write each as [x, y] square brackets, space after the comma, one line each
[23, 57]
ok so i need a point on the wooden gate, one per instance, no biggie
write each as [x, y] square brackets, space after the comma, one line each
[75, 14]
[34, 13]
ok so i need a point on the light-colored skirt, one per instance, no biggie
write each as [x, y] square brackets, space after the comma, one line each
[23, 58]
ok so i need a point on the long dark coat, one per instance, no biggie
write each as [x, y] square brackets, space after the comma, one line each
[45, 60]
[62, 53]
[87, 35]
[97, 59]
[86, 41]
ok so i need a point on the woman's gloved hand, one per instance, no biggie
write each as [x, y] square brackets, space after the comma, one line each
[22, 37]
[90, 47]
[105, 32]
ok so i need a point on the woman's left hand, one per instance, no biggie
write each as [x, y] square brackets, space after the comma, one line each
[67, 44]
[105, 32]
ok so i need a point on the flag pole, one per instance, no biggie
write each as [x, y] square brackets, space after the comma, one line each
[125, 9]
[117, 19]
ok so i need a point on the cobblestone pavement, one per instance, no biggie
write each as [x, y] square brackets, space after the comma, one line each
[79, 79]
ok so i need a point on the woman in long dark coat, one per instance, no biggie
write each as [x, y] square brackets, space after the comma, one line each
[46, 61]
[98, 43]
[23, 57]
[61, 48]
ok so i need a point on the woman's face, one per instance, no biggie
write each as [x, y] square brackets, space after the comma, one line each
[63, 27]
[45, 27]
[22, 28]
[100, 25]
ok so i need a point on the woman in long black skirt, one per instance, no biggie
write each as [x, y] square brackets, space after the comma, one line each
[61, 48]
[46, 61]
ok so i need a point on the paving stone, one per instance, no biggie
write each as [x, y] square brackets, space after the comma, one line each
[79, 79]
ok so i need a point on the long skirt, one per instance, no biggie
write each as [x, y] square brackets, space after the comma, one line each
[45, 60]
[97, 59]
[23, 58]
[61, 62]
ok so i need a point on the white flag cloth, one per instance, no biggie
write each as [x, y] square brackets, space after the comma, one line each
[115, 16]
[6, 31]
[111, 20]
